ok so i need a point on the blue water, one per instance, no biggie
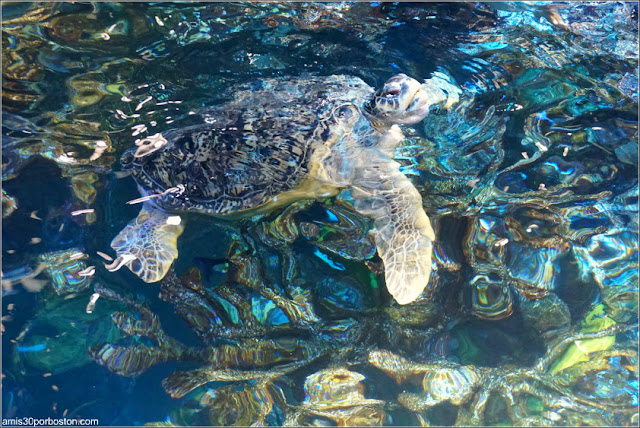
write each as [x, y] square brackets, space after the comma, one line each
[530, 182]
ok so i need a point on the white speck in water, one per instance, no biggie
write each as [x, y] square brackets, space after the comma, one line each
[105, 36]
[174, 220]
[104, 256]
[78, 212]
[502, 242]
[101, 146]
[78, 255]
[33, 285]
[142, 199]
[90, 271]
[541, 146]
[146, 100]
[149, 145]
[92, 302]
[66, 159]
[137, 129]
[525, 155]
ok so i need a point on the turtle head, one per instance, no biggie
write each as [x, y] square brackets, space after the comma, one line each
[400, 100]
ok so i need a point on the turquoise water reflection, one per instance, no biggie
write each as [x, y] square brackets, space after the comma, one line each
[531, 183]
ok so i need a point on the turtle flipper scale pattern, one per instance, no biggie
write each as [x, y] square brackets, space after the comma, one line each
[148, 244]
[403, 233]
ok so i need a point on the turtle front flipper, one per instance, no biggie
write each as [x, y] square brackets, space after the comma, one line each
[148, 244]
[403, 233]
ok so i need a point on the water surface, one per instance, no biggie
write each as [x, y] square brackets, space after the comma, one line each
[531, 183]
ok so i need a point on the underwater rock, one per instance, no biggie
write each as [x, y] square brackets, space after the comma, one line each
[476, 391]
[99, 29]
[342, 296]
[546, 315]
[440, 382]
[336, 395]
[344, 233]
[335, 388]
[74, 331]
[66, 270]
[455, 385]
[248, 346]
[257, 405]
[24, 275]
[178, 384]
[296, 304]
[399, 368]
[612, 259]
[9, 204]
[83, 187]
[21, 70]
[579, 351]
[491, 299]
[593, 24]
[628, 153]
[283, 229]
[135, 359]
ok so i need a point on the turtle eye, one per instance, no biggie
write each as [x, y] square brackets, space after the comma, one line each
[345, 113]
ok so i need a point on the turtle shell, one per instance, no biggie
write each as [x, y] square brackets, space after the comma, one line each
[249, 150]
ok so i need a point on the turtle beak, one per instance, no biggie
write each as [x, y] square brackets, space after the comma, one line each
[417, 106]
[419, 102]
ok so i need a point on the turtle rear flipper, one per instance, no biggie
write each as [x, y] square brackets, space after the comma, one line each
[403, 233]
[148, 244]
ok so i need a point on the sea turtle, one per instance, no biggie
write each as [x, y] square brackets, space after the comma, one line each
[277, 140]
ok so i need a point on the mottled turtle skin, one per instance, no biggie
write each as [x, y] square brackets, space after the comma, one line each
[252, 149]
[280, 139]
